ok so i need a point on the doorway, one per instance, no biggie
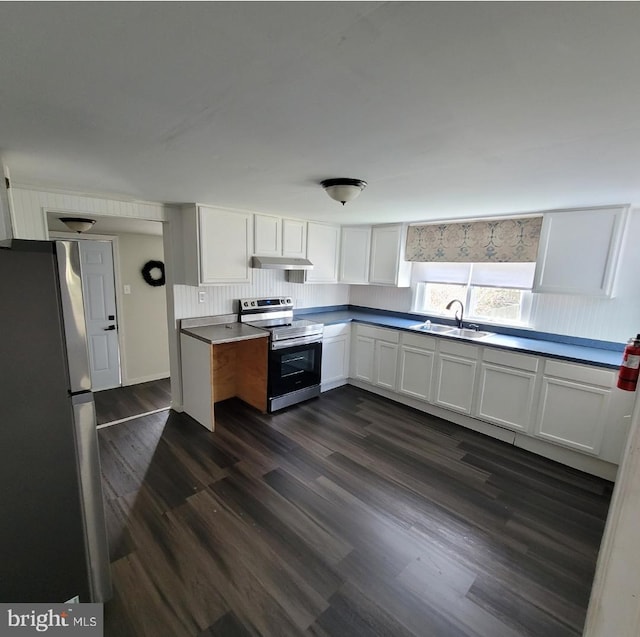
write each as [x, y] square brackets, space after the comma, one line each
[98, 288]
[140, 382]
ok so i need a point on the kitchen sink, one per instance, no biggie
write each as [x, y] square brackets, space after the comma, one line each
[467, 333]
[436, 328]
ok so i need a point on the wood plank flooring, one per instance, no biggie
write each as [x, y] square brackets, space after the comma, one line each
[346, 515]
[133, 400]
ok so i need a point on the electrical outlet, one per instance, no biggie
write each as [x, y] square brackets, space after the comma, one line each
[127, 289]
[202, 296]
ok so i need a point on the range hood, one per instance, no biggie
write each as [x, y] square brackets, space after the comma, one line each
[281, 263]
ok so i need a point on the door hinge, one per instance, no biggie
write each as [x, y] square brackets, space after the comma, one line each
[7, 183]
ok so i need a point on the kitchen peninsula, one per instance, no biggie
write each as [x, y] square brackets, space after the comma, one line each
[222, 358]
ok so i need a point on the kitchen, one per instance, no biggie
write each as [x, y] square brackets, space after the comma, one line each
[604, 319]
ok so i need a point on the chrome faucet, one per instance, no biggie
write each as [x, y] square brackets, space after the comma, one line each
[458, 318]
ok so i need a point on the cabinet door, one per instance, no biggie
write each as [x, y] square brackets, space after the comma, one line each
[506, 396]
[573, 414]
[225, 245]
[456, 381]
[294, 238]
[335, 359]
[354, 254]
[386, 364]
[322, 250]
[385, 242]
[267, 232]
[362, 358]
[579, 251]
[416, 371]
[387, 265]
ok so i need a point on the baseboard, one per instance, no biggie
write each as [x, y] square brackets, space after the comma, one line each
[333, 384]
[145, 379]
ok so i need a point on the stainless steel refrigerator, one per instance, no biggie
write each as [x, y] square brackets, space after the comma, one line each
[53, 543]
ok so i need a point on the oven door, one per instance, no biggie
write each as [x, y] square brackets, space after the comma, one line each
[293, 367]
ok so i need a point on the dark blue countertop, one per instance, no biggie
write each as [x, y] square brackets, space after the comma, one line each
[580, 351]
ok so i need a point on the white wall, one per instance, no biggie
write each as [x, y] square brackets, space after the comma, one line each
[615, 319]
[146, 341]
[29, 207]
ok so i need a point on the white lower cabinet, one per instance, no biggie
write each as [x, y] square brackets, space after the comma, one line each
[386, 364]
[456, 365]
[335, 355]
[574, 405]
[374, 357]
[363, 352]
[554, 407]
[507, 389]
[417, 353]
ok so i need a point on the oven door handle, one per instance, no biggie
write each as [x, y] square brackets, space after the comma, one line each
[294, 342]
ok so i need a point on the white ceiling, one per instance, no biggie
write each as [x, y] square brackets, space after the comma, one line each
[446, 109]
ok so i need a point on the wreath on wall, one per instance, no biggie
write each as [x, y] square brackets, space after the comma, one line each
[153, 273]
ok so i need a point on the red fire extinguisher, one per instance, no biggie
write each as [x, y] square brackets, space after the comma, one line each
[628, 374]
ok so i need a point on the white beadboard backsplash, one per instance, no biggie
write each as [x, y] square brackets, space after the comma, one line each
[219, 299]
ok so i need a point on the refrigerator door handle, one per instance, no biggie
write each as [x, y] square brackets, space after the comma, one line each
[97, 547]
[75, 329]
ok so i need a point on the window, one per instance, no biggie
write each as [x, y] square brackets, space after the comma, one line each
[490, 292]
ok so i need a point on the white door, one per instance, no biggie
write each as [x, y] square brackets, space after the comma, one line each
[99, 292]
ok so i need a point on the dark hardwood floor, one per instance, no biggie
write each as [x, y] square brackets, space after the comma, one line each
[346, 515]
[134, 400]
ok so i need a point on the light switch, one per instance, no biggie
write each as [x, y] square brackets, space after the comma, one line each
[202, 296]
[127, 289]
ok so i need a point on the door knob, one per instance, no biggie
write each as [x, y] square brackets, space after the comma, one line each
[111, 327]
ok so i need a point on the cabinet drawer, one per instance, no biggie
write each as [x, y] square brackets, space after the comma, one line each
[418, 340]
[509, 359]
[458, 349]
[341, 329]
[580, 373]
[379, 333]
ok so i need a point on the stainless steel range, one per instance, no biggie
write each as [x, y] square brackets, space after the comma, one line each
[295, 350]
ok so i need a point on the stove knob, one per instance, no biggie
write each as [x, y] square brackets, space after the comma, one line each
[246, 303]
[253, 303]
[288, 301]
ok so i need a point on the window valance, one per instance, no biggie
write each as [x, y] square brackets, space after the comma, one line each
[500, 241]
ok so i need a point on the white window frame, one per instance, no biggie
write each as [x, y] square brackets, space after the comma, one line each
[466, 290]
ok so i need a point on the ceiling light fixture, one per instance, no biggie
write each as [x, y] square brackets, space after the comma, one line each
[343, 189]
[78, 224]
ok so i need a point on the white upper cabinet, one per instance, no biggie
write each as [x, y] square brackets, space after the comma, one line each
[323, 250]
[294, 238]
[267, 234]
[278, 237]
[355, 248]
[217, 245]
[579, 251]
[387, 265]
